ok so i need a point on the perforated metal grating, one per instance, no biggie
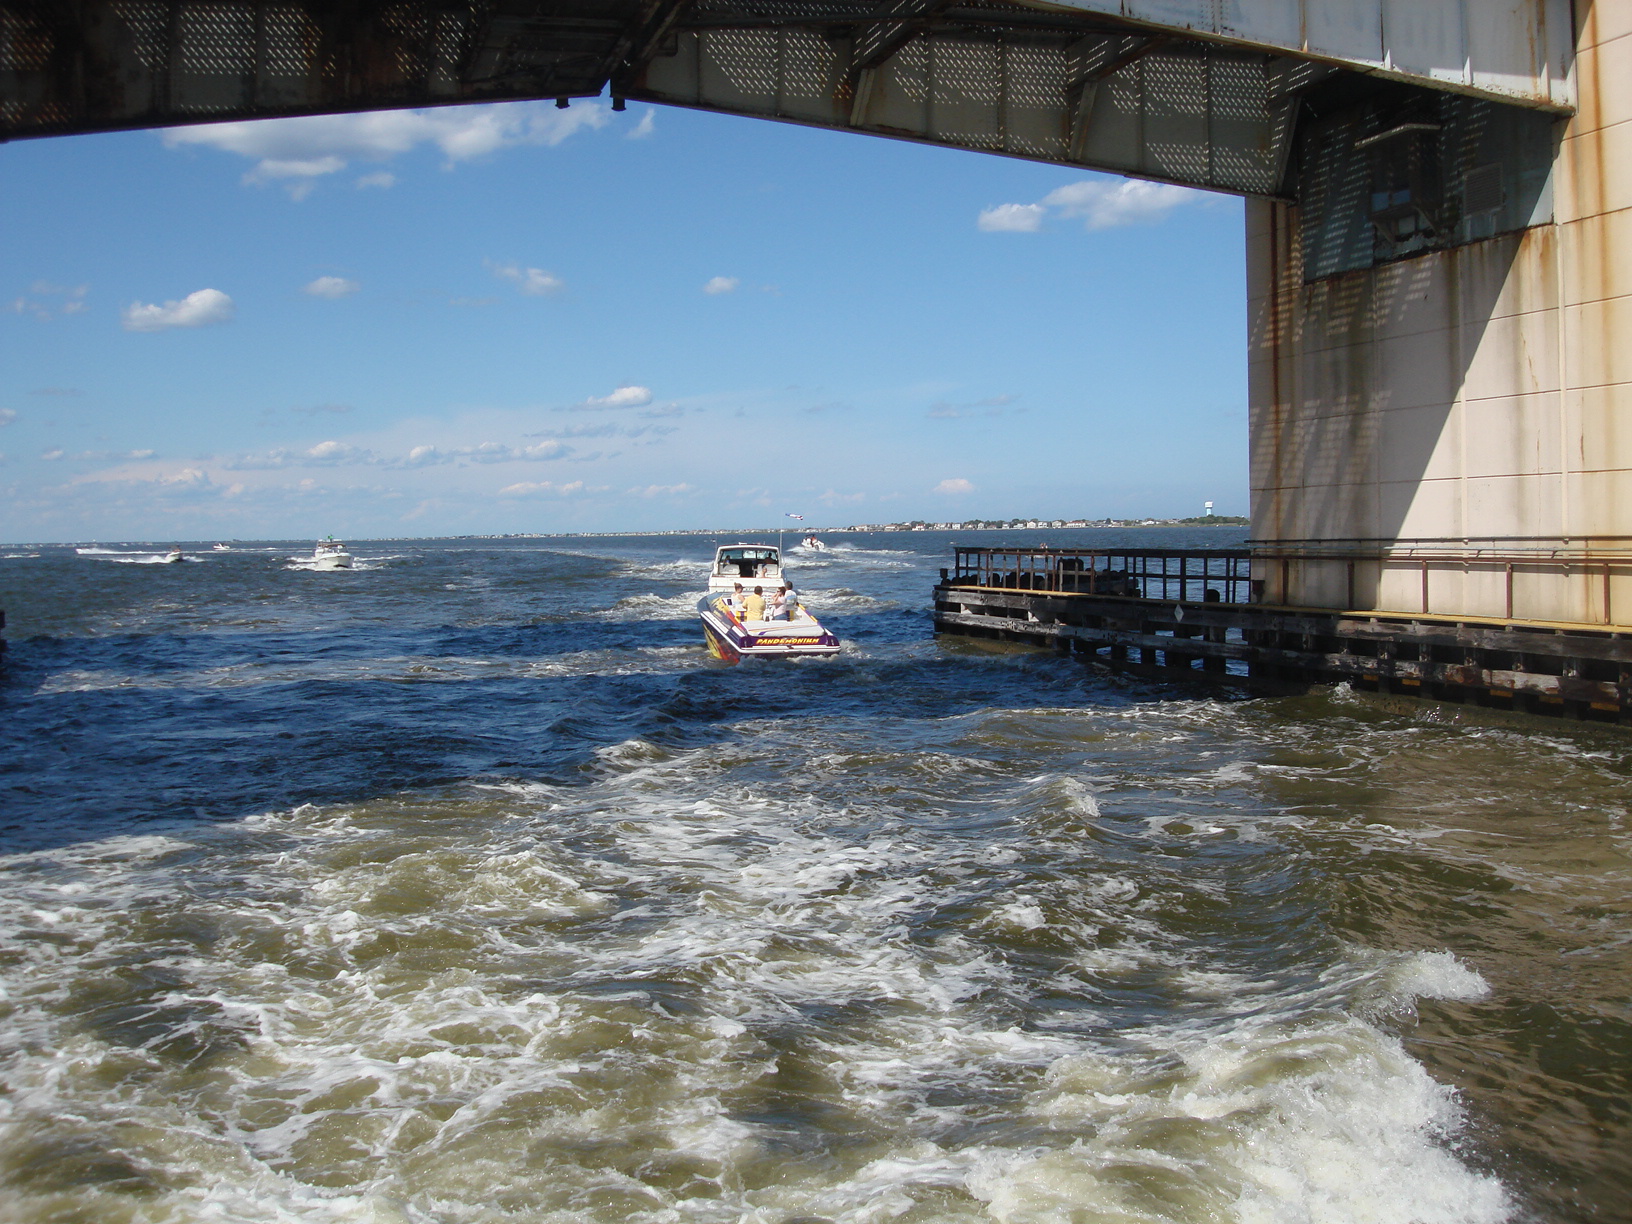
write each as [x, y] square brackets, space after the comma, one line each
[215, 38]
[286, 42]
[1482, 189]
[1397, 174]
[1008, 76]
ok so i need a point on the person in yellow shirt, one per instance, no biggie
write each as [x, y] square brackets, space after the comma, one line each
[753, 606]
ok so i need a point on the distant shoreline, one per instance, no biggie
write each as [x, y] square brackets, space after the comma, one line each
[1216, 520]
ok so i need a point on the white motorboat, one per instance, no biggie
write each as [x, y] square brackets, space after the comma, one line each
[175, 554]
[732, 634]
[812, 544]
[221, 548]
[331, 554]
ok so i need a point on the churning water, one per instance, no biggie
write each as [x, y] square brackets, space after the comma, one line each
[466, 887]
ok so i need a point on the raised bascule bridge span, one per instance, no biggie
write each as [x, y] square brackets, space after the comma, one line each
[1439, 251]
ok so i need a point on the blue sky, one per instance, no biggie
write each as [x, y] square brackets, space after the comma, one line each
[515, 318]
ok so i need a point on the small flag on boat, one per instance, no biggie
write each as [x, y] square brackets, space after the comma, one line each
[800, 517]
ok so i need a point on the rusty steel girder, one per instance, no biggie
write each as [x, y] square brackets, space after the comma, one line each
[1068, 83]
[99, 65]
[1024, 79]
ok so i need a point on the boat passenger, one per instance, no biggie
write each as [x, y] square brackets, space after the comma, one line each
[753, 606]
[734, 600]
[784, 604]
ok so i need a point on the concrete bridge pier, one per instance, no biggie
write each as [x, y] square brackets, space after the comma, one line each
[1441, 355]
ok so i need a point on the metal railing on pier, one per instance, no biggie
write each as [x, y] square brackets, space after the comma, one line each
[1184, 574]
[1588, 584]
[1531, 629]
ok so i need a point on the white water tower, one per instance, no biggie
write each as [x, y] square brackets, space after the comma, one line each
[1209, 509]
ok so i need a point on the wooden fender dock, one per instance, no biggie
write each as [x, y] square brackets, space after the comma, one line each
[1183, 614]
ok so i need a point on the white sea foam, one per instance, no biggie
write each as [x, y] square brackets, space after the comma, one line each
[603, 1002]
[358, 565]
[841, 599]
[1395, 981]
[135, 558]
[1439, 975]
[652, 607]
[1328, 1123]
[425, 669]
[680, 570]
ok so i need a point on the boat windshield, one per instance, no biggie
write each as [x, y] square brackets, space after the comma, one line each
[747, 562]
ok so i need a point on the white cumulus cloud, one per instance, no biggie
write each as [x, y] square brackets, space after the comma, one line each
[191, 478]
[485, 452]
[535, 282]
[542, 488]
[1012, 218]
[299, 151]
[548, 449]
[331, 287]
[48, 300]
[294, 168]
[103, 456]
[832, 497]
[197, 309]
[991, 406]
[623, 397]
[955, 485]
[335, 452]
[674, 490]
[331, 453]
[1102, 205]
[721, 284]
[1097, 203]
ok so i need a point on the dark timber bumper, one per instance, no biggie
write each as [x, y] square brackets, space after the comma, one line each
[1201, 634]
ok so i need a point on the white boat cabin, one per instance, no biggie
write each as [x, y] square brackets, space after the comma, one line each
[749, 564]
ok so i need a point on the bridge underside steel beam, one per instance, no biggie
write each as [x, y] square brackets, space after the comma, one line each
[1083, 83]
[1505, 50]
[1046, 86]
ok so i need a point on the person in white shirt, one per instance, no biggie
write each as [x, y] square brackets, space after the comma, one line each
[786, 604]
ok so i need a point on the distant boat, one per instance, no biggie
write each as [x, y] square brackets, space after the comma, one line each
[811, 543]
[175, 554]
[221, 548]
[730, 635]
[331, 554]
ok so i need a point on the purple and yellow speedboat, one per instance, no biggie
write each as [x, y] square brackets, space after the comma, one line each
[731, 636]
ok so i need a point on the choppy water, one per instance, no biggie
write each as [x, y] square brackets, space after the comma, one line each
[465, 887]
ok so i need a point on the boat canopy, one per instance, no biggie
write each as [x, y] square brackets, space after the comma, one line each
[747, 561]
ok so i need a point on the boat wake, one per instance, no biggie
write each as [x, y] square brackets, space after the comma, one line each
[119, 558]
[680, 993]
